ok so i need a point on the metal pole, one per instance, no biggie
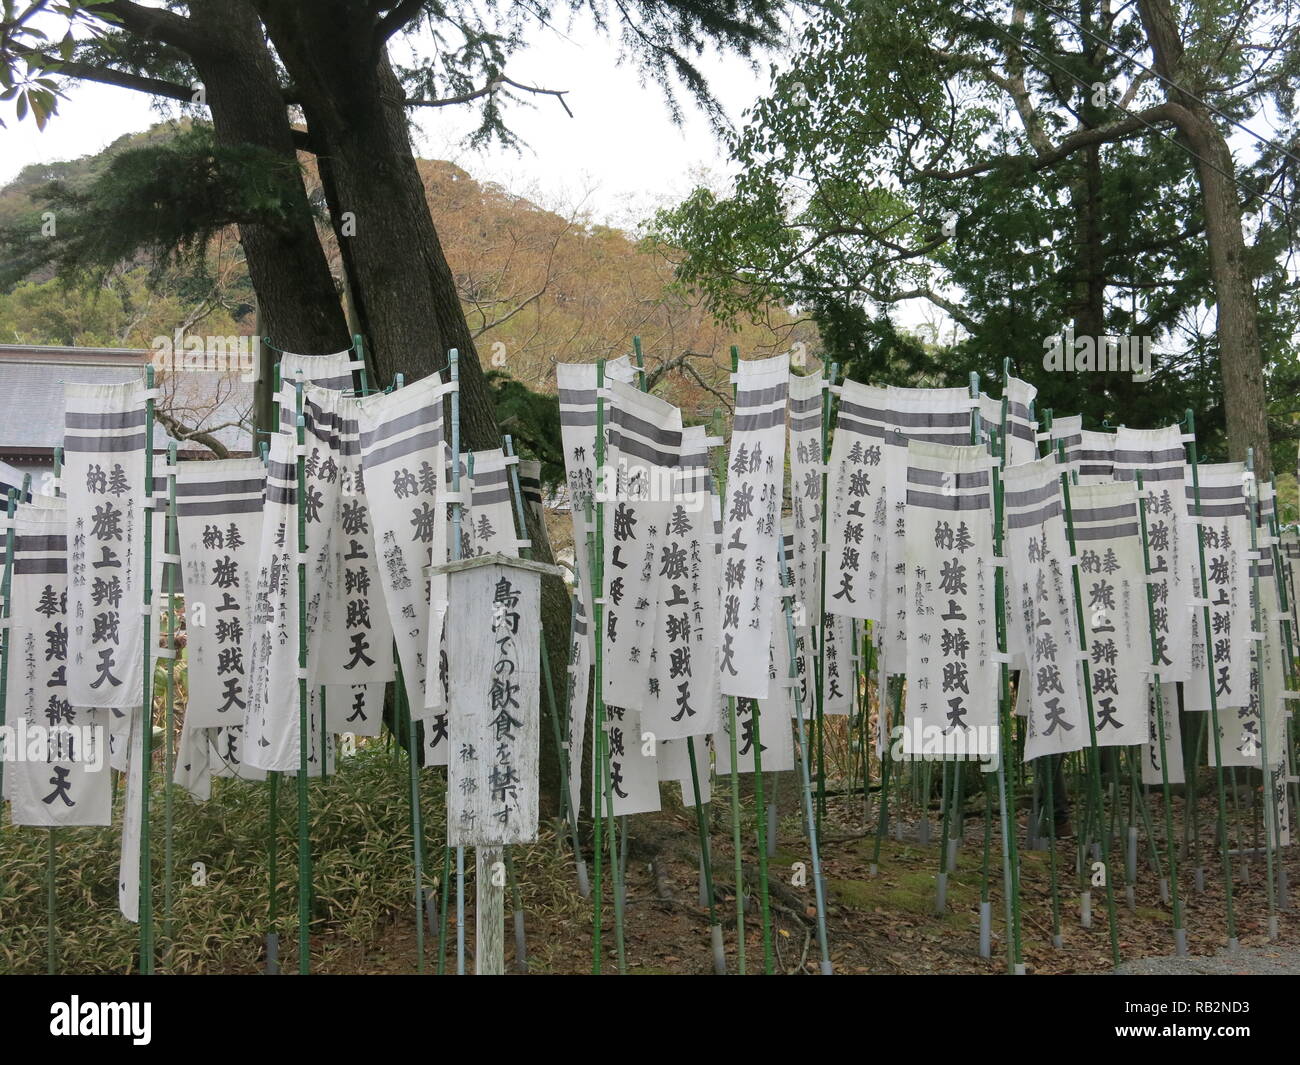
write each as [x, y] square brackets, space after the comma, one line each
[304, 726]
[172, 555]
[146, 700]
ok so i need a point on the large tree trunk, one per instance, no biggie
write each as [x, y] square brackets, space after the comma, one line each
[403, 289]
[1245, 401]
[298, 300]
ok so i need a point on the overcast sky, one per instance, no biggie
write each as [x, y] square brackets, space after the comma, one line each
[620, 151]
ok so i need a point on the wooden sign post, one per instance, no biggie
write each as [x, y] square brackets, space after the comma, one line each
[494, 672]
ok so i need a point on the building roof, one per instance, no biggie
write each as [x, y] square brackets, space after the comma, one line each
[31, 386]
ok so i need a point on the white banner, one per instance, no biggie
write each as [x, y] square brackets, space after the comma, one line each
[576, 383]
[682, 695]
[1040, 583]
[103, 477]
[1151, 773]
[56, 756]
[219, 522]
[752, 525]
[952, 679]
[1021, 426]
[633, 769]
[806, 400]
[403, 456]
[857, 529]
[1157, 454]
[493, 652]
[1108, 541]
[928, 415]
[579, 688]
[1225, 536]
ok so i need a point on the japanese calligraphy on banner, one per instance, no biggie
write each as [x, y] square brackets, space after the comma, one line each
[403, 457]
[951, 707]
[1173, 749]
[104, 454]
[1225, 537]
[645, 446]
[491, 525]
[633, 765]
[205, 753]
[930, 415]
[857, 528]
[128, 869]
[578, 689]
[1157, 454]
[682, 696]
[271, 733]
[1089, 454]
[353, 645]
[773, 729]
[576, 383]
[752, 525]
[837, 666]
[1041, 585]
[493, 654]
[1108, 541]
[1289, 543]
[805, 674]
[806, 401]
[219, 522]
[56, 755]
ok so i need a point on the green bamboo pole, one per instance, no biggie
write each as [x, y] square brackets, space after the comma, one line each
[1006, 787]
[1214, 701]
[1180, 934]
[580, 860]
[304, 725]
[760, 828]
[1272, 831]
[453, 364]
[600, 770]
[146, 701]
[11, 507]
[882, 817]
[801, 754]
[738, 854]
[272, 876]
[706, 865]
[51, 864]
[1093, 754]
[820, 714]
[1045, 763]
[172, 547]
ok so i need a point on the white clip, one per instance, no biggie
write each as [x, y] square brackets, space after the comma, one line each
[300, 450]
[1155, 578]
[149, 502]
[1072, 560]
[713, 441]
[1000, 657]
[521, 544]
[146, 609]
[150, 393]
[733, 378]
[455, 497]
[164, 652]
[997, 561]
[598, 601]
[1279, 615]
[1196, 601]
[1258, 637]
[170, 560]
[302, 558]
[301, 672]
[1290, 695]
[1081, 654]
[1040, 437]
[1187, 438]
[356, 364]
[835, 390]
[6, 523]
[511, 460]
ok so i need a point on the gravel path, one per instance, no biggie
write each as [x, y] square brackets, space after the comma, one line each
[1257, 961]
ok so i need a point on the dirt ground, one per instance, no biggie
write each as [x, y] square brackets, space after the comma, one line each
[876, 924]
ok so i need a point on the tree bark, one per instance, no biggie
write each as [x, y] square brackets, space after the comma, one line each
[1245, 401]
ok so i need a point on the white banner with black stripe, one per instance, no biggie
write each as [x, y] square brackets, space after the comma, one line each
[219, 522]
[1225, 539]
[576, 383]
[1021, 426]
[807, 397]
[403, 456]
[1108, 541]
[56, 768]
[1040, 583]
[952, 704]
[928, 415]
[1173, 739]
[752, 526]
[857, 528]
[1157, 454]
[103, 477]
